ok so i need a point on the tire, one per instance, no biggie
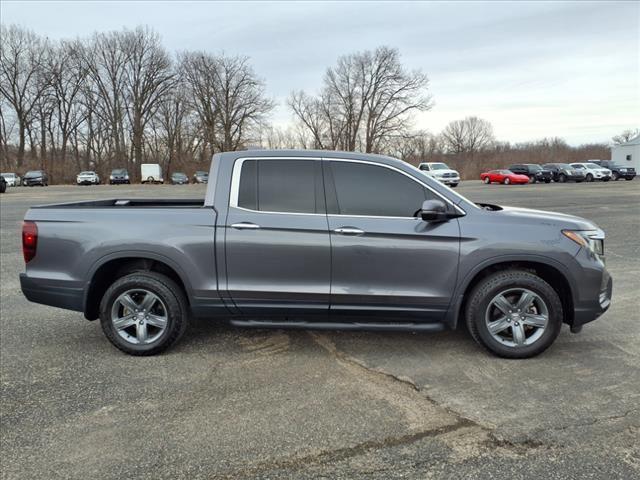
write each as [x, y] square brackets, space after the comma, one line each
[547, 180]
[562, 178]
[170, 304]
[454, 185]
[486, 180]
[480, 310]
[532, 180]
[589, 177]
[506, 181]
[629, 179]
[616, 176]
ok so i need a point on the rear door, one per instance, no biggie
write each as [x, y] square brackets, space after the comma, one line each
[277, 239]
[386, 262]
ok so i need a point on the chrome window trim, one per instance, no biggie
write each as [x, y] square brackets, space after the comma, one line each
[237, 168]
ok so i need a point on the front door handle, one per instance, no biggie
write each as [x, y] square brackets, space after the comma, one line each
[245, 226]
[348, 231]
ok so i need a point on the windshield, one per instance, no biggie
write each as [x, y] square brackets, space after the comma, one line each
[119, 171]
[592, 166]
[179, 174]
[534, 168]
[439, 166]
[33, 173]
[8, 175]
[201, 173]
[87, 173]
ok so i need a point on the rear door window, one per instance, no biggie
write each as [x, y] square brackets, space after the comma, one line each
[283, 186]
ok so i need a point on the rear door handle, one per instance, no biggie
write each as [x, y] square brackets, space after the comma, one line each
[348, 231]
[245, 226]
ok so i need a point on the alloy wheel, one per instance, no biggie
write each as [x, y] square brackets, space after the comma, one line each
[139, 316]
[517, 317]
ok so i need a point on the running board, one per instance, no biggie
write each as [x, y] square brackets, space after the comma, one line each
[366, 326]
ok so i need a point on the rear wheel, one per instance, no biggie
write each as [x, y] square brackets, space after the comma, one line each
[562, 178]
[532, 180]
[514, 314]
[616, 176]
[486, 180]
[143, 313]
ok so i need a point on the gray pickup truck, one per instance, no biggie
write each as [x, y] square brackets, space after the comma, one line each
[317, 239]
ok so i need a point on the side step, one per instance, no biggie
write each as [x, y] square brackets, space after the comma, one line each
[366, 326]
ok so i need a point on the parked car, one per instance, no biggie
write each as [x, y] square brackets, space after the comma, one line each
[503, 176]
[593, 172]
[617, 171]
[179, 178]
[535, 172]
[441, 172]
[3, 184]
[151, 173]
[88, 178]
[310, 239]
[12, 179]
[563, 172]
[118, 176]
[35, 177]
[200, 177]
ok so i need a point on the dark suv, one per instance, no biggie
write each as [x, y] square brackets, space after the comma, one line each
[617, 171]
[563, 172]
[535, 172]
[35, 177]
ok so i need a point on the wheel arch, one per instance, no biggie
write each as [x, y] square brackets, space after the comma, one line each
[551, 272]
[110, 268]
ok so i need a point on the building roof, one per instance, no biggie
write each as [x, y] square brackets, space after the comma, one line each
[633, 141]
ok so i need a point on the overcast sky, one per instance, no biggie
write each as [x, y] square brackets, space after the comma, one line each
[533, 69]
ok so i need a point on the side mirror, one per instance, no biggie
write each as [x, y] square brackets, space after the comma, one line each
[434, 211]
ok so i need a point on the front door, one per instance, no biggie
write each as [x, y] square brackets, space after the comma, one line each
[386, 262]
[277, 240]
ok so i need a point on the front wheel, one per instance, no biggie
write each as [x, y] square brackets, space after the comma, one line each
[507, 181]
[143, 313]
[562, 178]
[547, 180]
[454, 185]
[589, 177]
[486, 180]
[514, 314]
[616, 176]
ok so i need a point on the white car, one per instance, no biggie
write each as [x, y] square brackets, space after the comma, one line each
[592, 171]
[441, 172]
[12, 179]
[87, 178]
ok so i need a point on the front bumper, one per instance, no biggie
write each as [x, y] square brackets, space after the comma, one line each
[34, 181]
[56, 293]
[449, 180]
[118, 180]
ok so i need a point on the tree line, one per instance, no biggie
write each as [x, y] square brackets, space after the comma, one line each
[117, 99]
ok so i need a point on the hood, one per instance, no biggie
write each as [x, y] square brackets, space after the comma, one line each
[559, 220]
[435, 173]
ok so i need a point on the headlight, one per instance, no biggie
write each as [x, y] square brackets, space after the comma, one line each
[590, 239]
[126, 177]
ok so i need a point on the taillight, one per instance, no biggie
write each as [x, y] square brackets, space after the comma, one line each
[29, 240]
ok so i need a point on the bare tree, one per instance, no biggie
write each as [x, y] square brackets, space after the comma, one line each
[468, 136]
[22, 59]
[625, 136]
[148, 77]
[367, 99]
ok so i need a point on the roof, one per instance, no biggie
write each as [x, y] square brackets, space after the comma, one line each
[633, 141]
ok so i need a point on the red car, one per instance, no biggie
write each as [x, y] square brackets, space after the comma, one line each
[503, 176]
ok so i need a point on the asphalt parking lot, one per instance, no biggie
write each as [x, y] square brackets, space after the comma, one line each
[231, 403]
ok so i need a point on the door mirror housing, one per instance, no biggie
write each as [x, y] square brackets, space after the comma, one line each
[434, 211]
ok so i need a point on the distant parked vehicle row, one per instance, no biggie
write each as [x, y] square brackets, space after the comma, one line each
[504, 176]
[563, 172]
